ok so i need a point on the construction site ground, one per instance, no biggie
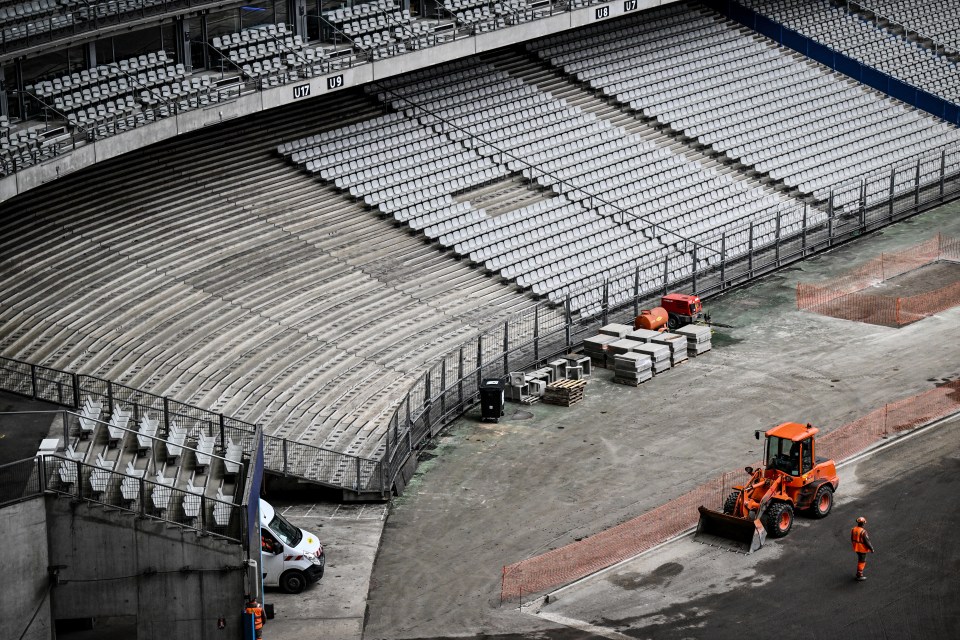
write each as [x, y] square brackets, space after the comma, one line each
[805, 583]
[488, 495]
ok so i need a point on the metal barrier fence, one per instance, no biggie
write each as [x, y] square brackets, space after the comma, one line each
[547, 330]
[332, 468]
[59, 139]
[25, 479]
[844, 297]
[145, 498]
[580, 559]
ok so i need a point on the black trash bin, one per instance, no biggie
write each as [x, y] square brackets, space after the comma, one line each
[491, 400]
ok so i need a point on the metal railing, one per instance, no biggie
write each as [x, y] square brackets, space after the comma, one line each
[281, 456]
[32, 477]
[240, 85]
[450, 386]
[544, 331]
[141, 496]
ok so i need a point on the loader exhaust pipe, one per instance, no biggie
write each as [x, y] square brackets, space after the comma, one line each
[729, 532]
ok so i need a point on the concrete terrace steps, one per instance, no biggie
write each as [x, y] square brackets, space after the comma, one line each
[248, 288]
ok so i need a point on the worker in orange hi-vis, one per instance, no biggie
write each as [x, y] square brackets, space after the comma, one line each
[861, 545]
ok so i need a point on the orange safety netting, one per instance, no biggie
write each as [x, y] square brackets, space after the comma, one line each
[580, 559]
[843, 297]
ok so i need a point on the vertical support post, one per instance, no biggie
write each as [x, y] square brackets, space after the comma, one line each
[79, 488]
[479, 362]
[33, 381]
[357, 481]
[142, 497]
[636, 291]
[460, 378]
[803, 230]
[202, 519]
[863, 205]
[223, 441]
[776, 238]
[66, 428]
[536, 334]
[750, 252]
[75, 381]
[443, 386]
[568, 324]
[893, 177]
[18, 81]
[694, 271]
[409, 417]
[916, 184]
[666, 275]
[427, 392]
[41, 473]
[286, 465]
[506, 346]
[943, 169]
[110, 398]
[166, 416]
[830, 220]
[723, 260]
[606, 300]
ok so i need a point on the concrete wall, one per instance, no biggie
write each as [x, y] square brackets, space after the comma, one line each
[175, 582]
[23, 556]
[113, 146]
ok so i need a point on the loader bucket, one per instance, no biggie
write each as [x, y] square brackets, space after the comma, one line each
[729, 532]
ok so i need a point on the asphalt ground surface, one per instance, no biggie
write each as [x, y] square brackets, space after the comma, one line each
[802, 586]
[489, 495]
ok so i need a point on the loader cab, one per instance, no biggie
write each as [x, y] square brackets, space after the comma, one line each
[790, 448]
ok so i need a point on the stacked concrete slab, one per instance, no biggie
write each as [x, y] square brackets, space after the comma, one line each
[659, 354]
[677, 344]
[698, 338]
[642, 335]
[596, 348]
[632, 368]
[617, 330]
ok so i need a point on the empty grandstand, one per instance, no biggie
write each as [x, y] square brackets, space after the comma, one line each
[588, 169]
[328, 223]
[902, 39]
[264, 298]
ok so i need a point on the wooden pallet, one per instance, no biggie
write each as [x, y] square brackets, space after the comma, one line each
[564, 392]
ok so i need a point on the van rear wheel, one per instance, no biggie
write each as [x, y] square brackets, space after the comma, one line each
[293, 581]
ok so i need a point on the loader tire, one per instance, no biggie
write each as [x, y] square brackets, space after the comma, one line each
[822, 502]
[731, 502]
[778, 519]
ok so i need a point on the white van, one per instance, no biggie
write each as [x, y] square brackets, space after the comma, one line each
[292, 558]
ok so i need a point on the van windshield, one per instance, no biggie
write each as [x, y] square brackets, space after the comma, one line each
[289, 534]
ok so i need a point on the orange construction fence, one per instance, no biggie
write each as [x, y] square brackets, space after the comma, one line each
[577, 560]
[843, 296]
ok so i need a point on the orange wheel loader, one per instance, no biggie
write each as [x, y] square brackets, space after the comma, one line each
[793, 480]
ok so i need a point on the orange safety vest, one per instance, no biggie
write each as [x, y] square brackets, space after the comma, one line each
[859, 538]
[257, 613]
